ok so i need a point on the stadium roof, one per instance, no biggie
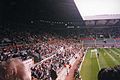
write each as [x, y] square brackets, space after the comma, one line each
[103, 22]
[102, 17]
[98, 9]
[34, 11]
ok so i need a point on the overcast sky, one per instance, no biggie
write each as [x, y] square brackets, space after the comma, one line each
[98, 7]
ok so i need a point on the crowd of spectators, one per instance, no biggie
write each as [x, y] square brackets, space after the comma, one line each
[56, 62]
[50, 51]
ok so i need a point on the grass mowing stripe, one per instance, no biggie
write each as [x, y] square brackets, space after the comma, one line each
[101, 58]
[109, 60]
[94, 69]
[90, 68]
[117, 50]
[85, 70]
[98, 62]
[113, 54]
[109, 55]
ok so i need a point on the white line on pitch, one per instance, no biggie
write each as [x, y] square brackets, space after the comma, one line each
[83, 59]
[115, 52]
[111, 57]
[98, 62]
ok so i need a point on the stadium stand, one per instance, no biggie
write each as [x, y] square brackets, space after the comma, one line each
[46, 35]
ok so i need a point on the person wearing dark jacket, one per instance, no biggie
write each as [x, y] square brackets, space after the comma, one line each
[109, 73]
[53, 74]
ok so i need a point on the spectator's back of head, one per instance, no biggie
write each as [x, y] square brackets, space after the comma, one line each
[109, 73]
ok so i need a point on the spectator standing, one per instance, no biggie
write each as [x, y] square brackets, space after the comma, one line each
[53, 74]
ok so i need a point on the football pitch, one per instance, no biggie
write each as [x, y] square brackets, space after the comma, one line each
[108, 57]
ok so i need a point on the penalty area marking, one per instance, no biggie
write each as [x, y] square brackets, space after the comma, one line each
[95, 51]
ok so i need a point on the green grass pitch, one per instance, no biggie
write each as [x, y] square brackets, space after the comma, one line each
[108, 57]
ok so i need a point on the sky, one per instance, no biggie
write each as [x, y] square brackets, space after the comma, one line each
[97, 7]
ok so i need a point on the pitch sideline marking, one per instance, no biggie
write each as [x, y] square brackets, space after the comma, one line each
[83, 59]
